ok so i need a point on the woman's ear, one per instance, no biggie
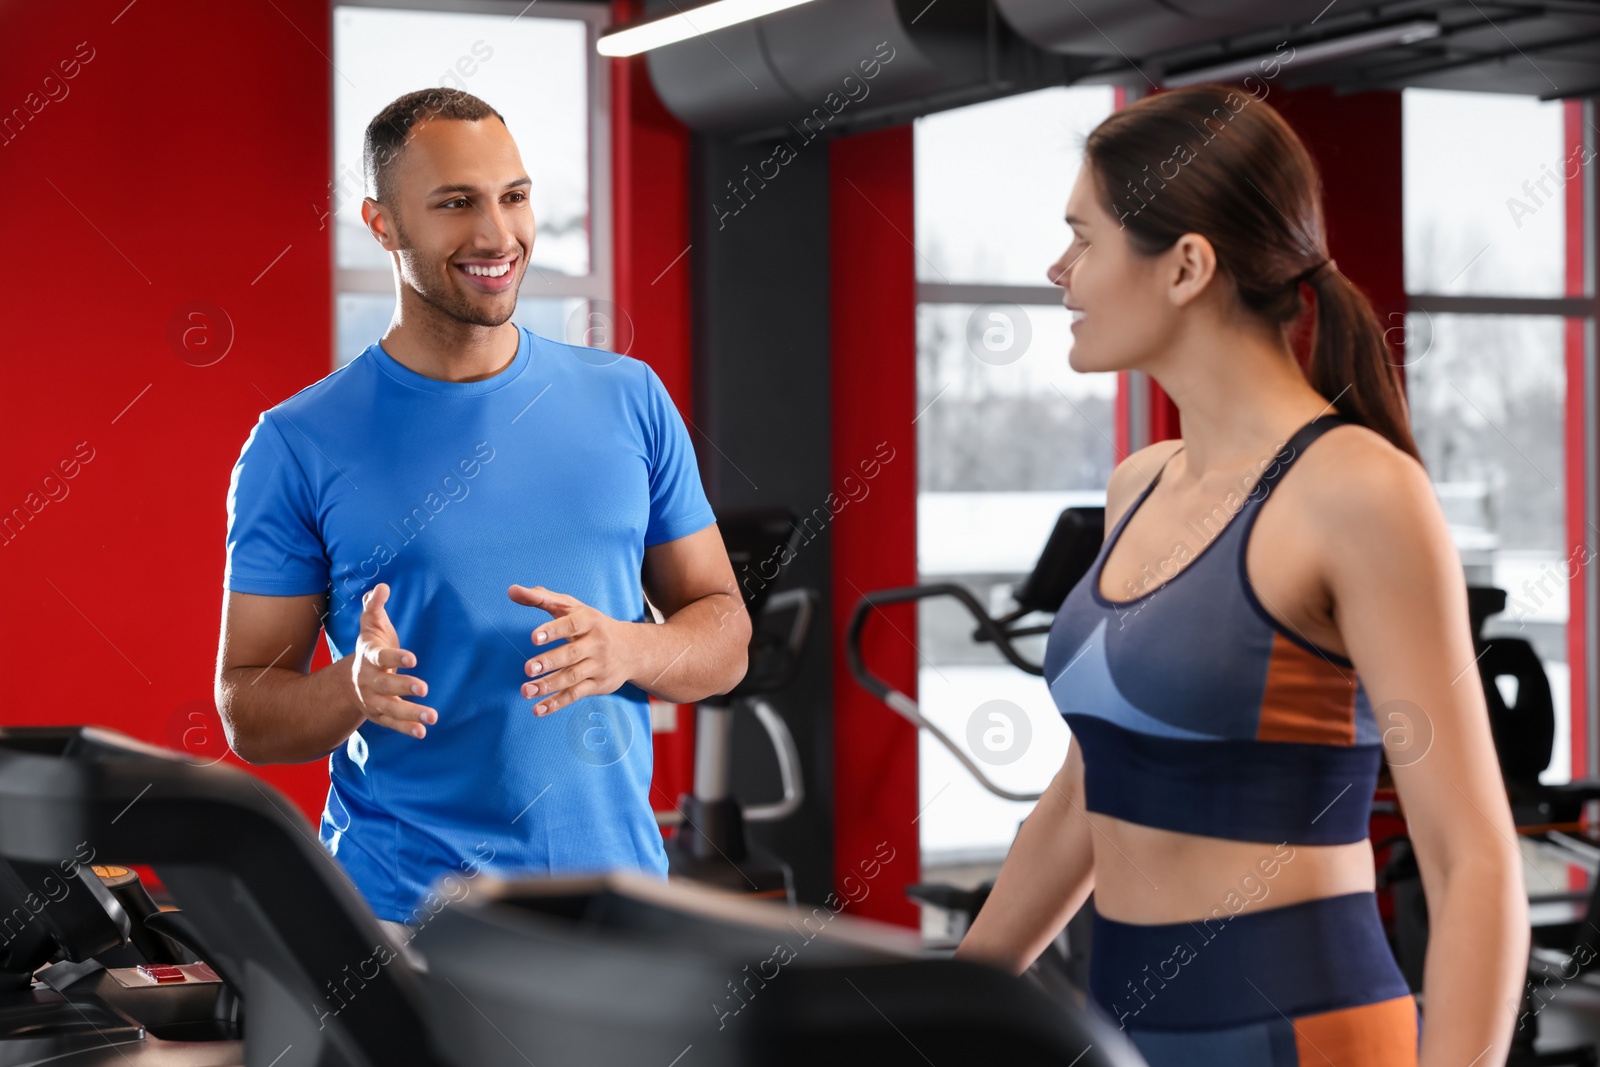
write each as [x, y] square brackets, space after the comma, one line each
[1190, 265]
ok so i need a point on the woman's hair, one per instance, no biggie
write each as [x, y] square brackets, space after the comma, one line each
[1219, 162]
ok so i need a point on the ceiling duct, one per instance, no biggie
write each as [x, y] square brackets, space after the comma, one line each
[821, 62]
[1137, 28]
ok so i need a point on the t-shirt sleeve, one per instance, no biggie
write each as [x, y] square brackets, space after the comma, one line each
[273, 545]
[678, 505]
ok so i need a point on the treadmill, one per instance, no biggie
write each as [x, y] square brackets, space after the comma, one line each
[279, 961]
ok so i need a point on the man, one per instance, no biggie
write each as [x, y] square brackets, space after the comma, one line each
[467, 508]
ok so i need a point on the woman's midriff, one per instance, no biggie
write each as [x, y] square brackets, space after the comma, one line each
[1145, 875]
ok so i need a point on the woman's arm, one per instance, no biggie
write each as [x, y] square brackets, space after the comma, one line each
[1044, 880]
[1400, 604]
[1049, 872]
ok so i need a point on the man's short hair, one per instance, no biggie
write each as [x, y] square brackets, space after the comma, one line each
[388, 132]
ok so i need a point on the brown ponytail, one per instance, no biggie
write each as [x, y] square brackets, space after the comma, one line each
[1351, 353]
[1220, 162]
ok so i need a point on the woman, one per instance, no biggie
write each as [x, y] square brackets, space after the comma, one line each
[1234, 663]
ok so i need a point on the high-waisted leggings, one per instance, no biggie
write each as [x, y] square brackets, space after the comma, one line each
[1311, 984]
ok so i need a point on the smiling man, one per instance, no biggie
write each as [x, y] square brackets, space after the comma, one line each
[475, 515]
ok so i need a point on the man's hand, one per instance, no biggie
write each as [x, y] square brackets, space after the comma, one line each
[598, 657]
[377, 656]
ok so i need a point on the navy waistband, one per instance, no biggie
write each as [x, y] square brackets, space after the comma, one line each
[1229, 970]
[1243, 790]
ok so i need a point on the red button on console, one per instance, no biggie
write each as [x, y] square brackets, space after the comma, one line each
[162, 972]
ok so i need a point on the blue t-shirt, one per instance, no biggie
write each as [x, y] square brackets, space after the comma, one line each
[558, 471]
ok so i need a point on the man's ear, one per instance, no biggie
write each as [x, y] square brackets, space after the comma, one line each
[377, 222]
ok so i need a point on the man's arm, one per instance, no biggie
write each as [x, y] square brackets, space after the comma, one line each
[700, 650]
[276, 710]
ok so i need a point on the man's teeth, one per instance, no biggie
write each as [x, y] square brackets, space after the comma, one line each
[488, 272]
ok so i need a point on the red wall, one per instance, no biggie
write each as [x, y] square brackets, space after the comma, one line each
[650, 215]
[1580, 482]
[650, 207]
[1356, 141]
[210, 188]
[874, 317]
[178, 167]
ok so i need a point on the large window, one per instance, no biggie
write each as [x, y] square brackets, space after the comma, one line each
[1007, 433]
[1498, 264]
[1496, 276]
[534, 65]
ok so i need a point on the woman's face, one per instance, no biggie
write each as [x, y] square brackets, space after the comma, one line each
[1122, 311]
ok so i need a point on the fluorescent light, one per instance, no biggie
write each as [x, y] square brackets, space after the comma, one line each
[670, 29]
[1320, 51]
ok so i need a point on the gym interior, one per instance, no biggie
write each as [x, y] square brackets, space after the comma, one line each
[832, 229]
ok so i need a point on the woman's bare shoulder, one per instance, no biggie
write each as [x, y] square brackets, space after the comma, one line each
[1136, 471]
[1352, 466]
[1360, 489]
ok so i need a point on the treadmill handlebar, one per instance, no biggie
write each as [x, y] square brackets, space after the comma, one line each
[902, 704]
[987, 625]
[783, 747]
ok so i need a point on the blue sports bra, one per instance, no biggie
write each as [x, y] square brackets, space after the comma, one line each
[1197, 711]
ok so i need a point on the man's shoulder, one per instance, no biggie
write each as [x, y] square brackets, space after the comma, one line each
[610, 382]
[325, 396]
[618, 365]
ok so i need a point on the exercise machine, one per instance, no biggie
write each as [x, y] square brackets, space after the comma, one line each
[1069, 552]
[87, 975]
[298, 973]
[710, 844]
[258, 900]
[1565, 947]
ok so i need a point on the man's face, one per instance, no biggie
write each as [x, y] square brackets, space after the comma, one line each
[461, 224]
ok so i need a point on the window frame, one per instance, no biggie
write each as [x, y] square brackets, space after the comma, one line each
[1582, 409]
[1131, 402]
[1132, 429]
[599, 283]
[1135, 421]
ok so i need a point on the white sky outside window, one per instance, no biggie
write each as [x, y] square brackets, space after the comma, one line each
[992, 182]
[532, 70]
[1477, 220]
[1484, 214]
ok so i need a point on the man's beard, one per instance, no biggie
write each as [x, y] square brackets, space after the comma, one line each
[444, 297]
